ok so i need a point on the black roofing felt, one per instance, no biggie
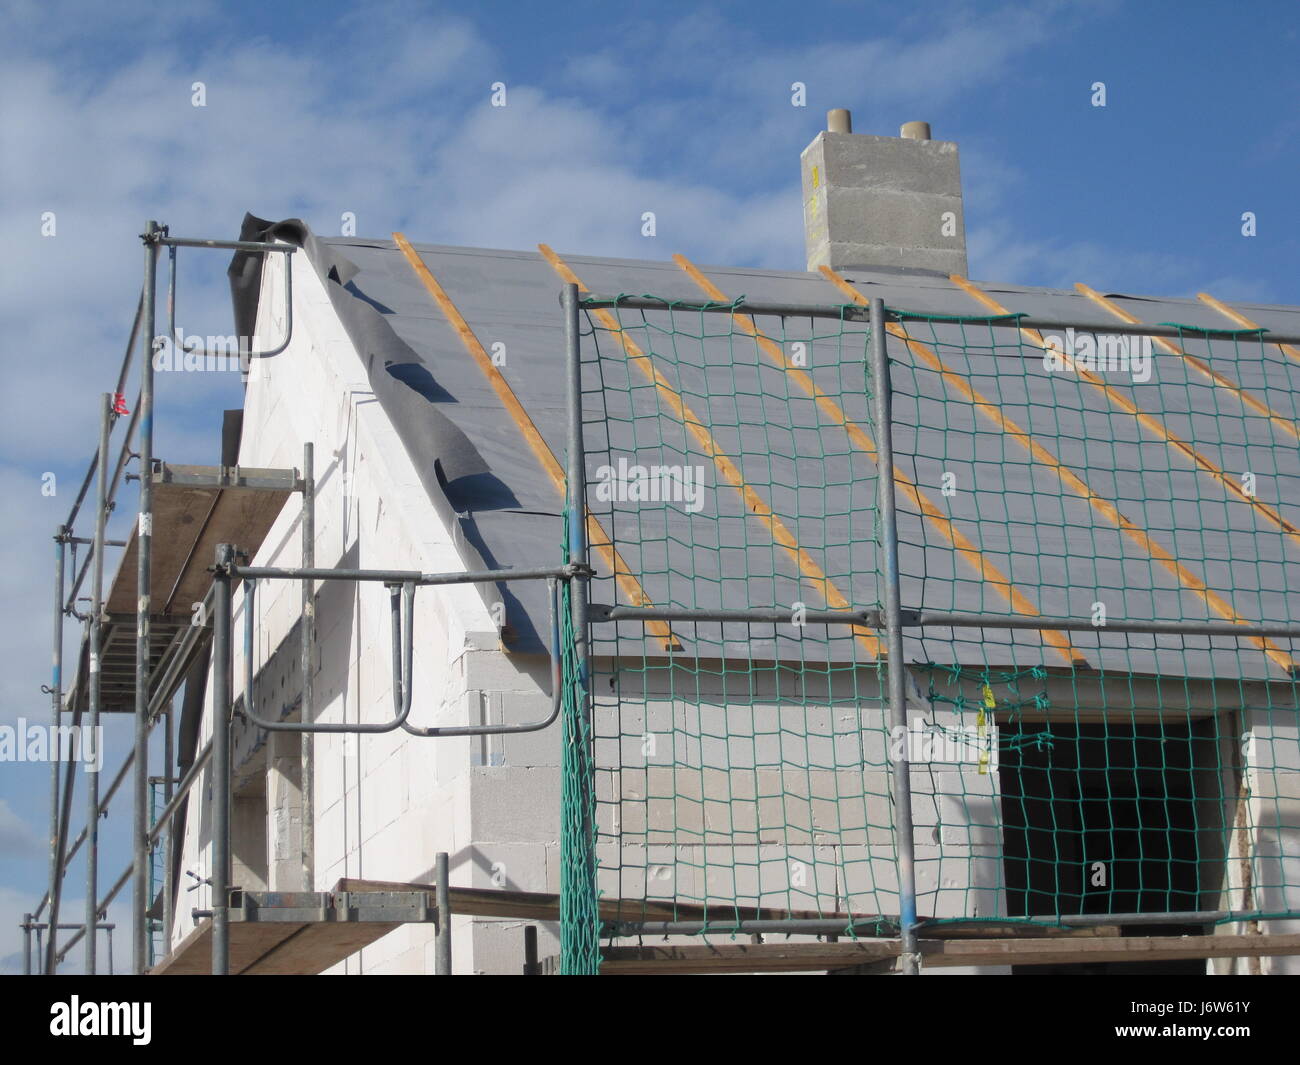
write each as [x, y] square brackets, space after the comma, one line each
[482, 477]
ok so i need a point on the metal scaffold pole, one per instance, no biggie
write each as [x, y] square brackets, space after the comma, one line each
[94, 692]
[144, 533]
[901, 770]
[577, 469]
[307, 783]
[442, 899]
[221, 694]
[169, 781]
[58, 829]
[576, 476]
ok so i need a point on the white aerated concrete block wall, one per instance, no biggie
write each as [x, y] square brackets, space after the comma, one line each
[386, 804]
[1273, 775]
[786, 804]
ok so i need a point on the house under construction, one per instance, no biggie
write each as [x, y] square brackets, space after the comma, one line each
[862, 619]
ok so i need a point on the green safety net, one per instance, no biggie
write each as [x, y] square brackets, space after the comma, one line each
[735, 770]
[579, 922]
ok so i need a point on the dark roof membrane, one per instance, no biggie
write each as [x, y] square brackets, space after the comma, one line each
[489, 486]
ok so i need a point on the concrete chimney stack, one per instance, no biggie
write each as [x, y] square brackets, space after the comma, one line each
[882, 201]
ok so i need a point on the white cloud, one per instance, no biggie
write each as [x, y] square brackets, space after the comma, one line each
[17, 839]
[1001, 252]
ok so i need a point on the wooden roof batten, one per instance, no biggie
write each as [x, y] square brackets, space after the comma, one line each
[1107, 509]
[756, 506]
[964, 547]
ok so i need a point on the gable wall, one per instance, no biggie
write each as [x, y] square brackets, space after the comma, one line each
[384, 804]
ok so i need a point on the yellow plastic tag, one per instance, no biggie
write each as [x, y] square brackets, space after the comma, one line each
[981, 733]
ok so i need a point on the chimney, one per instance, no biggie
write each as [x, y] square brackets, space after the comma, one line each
[882, 201]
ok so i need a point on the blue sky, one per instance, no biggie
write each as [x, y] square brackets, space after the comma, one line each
[382, 110]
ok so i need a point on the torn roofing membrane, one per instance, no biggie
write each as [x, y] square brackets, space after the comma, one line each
[490, 487]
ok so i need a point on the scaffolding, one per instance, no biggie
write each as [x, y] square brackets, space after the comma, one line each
[172, 604]
[208, 521]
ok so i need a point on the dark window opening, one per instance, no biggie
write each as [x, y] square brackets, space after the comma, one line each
[1112, 818]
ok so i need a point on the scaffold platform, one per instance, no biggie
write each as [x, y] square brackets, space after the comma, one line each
[197, 507]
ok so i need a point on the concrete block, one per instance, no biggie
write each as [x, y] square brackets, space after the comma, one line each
[331, 833]
[284, 811]
[843, 255]
[893, 164]
[512, 804]
[889, 219]
[497, 672]
[505, 866]
[383, 787]
[498, 946]
[881, 201]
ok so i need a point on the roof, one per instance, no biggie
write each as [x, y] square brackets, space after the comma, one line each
[1177, 542]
